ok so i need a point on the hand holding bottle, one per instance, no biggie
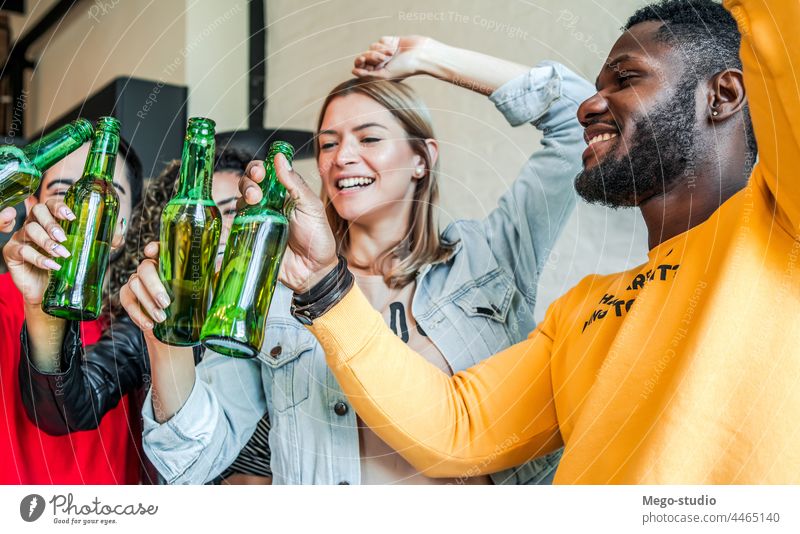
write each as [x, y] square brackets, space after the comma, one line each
[30, 251]
[144, 296]
[311, 251]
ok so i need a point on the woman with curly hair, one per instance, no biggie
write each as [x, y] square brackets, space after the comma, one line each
[62, 396]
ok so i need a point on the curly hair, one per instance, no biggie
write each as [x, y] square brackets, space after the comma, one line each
[145, 220]
[143, 228]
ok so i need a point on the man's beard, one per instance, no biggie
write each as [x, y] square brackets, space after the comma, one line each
[662, 151]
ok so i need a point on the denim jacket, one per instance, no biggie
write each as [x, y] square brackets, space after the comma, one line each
[478, 302]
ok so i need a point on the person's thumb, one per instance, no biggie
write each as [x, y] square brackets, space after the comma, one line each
[301, 195]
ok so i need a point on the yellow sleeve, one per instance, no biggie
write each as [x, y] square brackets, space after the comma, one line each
[495, 415]
[770, 53]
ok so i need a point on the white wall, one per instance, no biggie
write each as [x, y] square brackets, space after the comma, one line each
[216, 67]
[311, 45]
[94, 45]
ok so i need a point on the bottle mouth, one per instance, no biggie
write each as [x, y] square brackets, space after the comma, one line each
[201, 125]
[108, 124]
[84, 129]
[281, 147]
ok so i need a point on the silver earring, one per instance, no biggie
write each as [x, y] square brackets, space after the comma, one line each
[714, 113]
[420, 171]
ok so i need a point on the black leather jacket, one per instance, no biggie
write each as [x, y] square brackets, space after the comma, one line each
[90, 384]
[94, 381]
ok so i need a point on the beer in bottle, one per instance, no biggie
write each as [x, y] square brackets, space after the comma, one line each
[75, 291]
[253, 253]
[21, 168]
[190, 228]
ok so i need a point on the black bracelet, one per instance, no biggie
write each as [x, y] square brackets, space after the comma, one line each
[323, 287]
[325, 294]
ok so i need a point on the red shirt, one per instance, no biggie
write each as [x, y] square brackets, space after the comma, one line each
[28, 455]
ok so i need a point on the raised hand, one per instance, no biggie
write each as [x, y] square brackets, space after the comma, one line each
[394, 57]
[397, 58]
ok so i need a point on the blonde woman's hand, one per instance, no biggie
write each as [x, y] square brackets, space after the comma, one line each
[394, 57]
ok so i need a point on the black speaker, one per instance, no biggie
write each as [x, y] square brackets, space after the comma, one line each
[17, 6]
[152, 114]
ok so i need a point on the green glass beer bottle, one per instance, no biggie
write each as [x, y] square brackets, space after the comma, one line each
[242, 295]
[190, 228]
[21, 168]
[75, 291]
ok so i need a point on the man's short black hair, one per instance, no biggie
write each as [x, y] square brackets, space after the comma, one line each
[133, 166]
[704, 31]
[133, 169]
[705, 34]
[231, 159]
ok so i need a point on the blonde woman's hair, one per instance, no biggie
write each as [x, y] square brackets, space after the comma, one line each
[422, 243]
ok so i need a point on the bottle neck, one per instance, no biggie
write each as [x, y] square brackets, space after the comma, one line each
[274, 193]
[197, 167]
[54, 146]
[102, 155]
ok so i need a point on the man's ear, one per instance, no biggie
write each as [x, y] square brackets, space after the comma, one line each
[727, 95]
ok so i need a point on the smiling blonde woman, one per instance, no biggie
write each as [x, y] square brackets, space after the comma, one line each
[455, 296]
